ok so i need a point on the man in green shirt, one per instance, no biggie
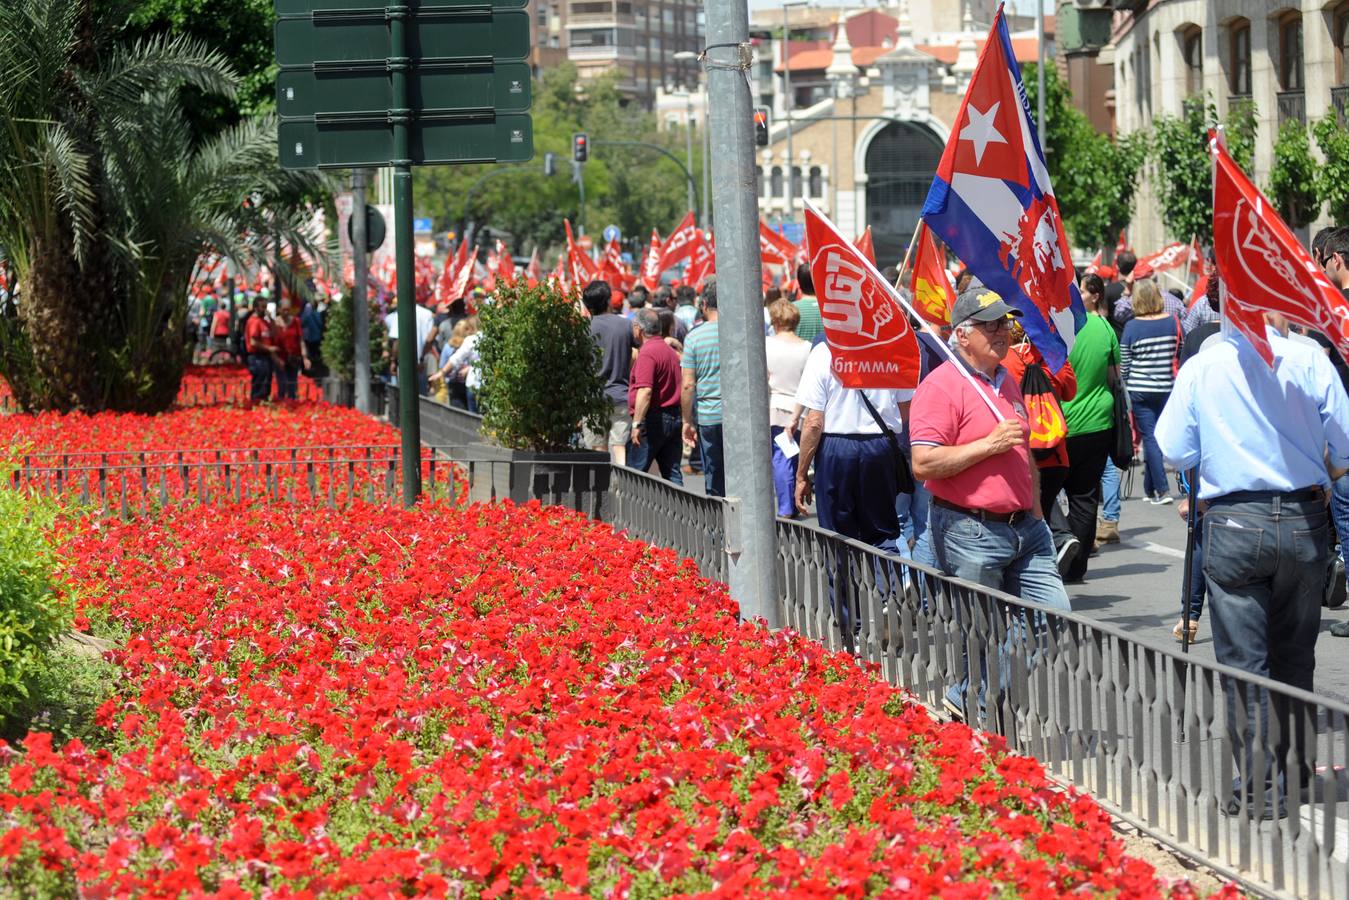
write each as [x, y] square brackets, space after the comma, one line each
[1090, 416]
[811, 325]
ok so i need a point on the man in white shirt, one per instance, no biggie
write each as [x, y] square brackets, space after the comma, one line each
[426, 325]
[856, 475]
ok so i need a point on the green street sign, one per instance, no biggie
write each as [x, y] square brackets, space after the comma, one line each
[434, 86]
[470, 33]
[348, 141]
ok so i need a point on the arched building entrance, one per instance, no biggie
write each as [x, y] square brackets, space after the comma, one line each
[900, 162]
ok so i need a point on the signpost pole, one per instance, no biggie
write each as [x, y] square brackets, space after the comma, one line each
[752, 556]
[409, 354]
[360, 306]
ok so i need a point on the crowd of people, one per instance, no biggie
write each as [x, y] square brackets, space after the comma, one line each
[952, 476]
[268, 336]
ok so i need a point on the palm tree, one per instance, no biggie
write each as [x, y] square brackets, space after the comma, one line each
[107, 199]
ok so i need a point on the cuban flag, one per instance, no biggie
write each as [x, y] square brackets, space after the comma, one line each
[991, 202]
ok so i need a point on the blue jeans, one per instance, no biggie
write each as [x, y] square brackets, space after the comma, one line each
[714, 470]
[913, 511]
[1147, 408]
[1017, 559]
[1265, 560]
[260, 370]
[662, 443]
[784, 476]
[1339, 510]
[1110, 493]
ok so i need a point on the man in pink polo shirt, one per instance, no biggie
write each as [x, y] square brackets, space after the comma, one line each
[987, 525]
[986, 518]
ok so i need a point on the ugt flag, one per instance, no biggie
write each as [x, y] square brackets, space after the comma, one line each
[1263, 265]
[991, 202]
[864, 321]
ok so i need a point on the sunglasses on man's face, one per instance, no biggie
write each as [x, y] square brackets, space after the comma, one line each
[995, 326]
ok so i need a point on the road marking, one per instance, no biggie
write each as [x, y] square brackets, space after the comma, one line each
[1159, 549]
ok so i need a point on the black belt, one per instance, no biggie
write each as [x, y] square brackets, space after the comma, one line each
[1301, 495]
[983, 515]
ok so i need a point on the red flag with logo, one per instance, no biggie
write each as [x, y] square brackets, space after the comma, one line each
[866, 245]
[1171, 256]
[1263, 265]
[702, 261]
[454, 264]
[505, 266]
[864, 322]
[679, 244]
[933, 297]
[651, 262]
[579, 264]
[464, 277]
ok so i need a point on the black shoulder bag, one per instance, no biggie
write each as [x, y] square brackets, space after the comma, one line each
[903, 474]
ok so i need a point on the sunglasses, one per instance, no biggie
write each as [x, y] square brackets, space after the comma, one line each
[995, 326]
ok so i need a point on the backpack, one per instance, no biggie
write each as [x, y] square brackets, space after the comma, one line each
[1048, 428]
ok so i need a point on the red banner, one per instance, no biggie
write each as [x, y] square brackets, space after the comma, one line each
[1263, 265]
[776, 249]
[932, 293]
[702, 261]
[679, 244]
[868, 332]
[651, 262]
[1169, 257]
[580, 266]
[865, 244]
[505, 266]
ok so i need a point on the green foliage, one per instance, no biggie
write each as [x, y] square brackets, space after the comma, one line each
[1182, 170]
[108, 196]
[339, 340]
[1094, 177]
[1292, 182]
[1332, 179]
[32, 616]
[633, 188]
[540, 370]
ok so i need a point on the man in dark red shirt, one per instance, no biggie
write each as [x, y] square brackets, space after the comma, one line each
[653, 397]
[260, 350]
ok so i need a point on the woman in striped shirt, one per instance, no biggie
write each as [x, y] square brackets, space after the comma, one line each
[1149, 356]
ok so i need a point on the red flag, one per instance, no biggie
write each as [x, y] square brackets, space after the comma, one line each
[533, 271]
[1200, 291]
[868, 332]
[932, 293]
[651, 262]
[1093, 267]
[1169, 257]
[1121, 245]
[679, 244]
[464, 277]
[1263, 266]
[703, 261]
[613, 257]
[775, 248]
[505, 266]
[864, 243]
[580, 266]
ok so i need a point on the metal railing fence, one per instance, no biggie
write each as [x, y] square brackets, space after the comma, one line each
[1149, 732]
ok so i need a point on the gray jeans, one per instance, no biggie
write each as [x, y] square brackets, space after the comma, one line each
[1265, 562]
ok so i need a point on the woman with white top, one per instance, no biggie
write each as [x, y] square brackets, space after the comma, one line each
[787, 355]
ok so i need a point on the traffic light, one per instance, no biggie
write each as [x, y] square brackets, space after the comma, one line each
[761, 126]
[550, 164]
[580, 147]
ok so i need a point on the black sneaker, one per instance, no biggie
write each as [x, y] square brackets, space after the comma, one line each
[1067, 554]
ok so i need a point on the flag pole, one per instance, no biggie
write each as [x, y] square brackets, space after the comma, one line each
[913, 314]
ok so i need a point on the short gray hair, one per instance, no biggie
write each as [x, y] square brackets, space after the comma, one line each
[648, 320]
[963, 328]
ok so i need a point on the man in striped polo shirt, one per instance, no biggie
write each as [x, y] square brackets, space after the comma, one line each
[702, 388]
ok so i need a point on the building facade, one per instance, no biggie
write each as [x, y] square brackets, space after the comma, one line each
[636, 38]
[1285, 58]
[871, 102]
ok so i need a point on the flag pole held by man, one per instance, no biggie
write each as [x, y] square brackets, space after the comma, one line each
[1266, 421]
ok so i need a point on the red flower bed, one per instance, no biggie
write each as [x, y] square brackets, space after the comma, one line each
[500, 701]
[210, 386]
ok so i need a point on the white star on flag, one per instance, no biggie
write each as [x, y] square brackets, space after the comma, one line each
[981, 130]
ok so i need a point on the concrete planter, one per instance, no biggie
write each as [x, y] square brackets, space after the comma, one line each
[577, 479]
